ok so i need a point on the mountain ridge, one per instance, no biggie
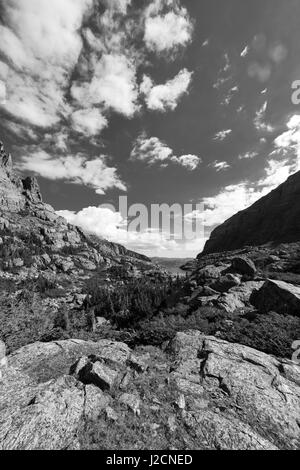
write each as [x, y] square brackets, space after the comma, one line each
[273, 218]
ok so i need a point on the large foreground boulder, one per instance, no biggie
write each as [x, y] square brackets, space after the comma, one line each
[42, 407]
[277, 296]
[243, 265]
[238, 298]
[238, 398]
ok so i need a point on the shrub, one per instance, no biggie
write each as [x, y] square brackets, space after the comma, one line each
[134, 301]
[271, 333]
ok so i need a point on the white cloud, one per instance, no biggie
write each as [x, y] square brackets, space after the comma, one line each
[59, 140]
[290, 139]
[248, 156]
[191, 162]
[153, 151]
[41, 43]
[167, 31]
[227, 64]
[167, 96]
[229, 96]
[118, 5]
[110, 225]
[220, 166]
[19, 130]
[89, 122]
[245, 51]
[75, 169]
[2, 92]
[222, 135]
[259, 120]
[113, 85]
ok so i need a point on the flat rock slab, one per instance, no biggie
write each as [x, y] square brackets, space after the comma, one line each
[41, 406]
[253, 399]
[45, 361]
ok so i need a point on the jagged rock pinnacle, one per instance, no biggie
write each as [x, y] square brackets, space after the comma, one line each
[5, 159]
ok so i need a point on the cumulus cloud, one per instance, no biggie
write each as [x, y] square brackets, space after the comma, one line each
[290, 139]
[166, 97]
[113, 85]
[191, 162]
[75, 169]
[167, 31]
[89, 122]
[153, 151]
[110, 224]
[42, 45]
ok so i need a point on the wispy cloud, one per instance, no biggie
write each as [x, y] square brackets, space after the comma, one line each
[245, 51]
[153, 151]
[248, 156]
[259, 120]
[219, 166]
[222, 135]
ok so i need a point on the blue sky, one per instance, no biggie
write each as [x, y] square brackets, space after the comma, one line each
[163, 101]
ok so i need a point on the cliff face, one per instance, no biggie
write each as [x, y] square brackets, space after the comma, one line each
[274, 218]
[24, 216]
[15, 192]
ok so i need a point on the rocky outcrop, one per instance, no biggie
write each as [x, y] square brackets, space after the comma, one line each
[42, 406]
[238, 297]
[3, 359]
[30, 224]
[210, 394]
[274, 218]
[277, 296]
[238, 398]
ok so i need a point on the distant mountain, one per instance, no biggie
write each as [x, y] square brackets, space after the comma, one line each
[274, 218]
[172, 265]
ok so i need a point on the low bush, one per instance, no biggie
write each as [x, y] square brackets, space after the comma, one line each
[271, 333]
